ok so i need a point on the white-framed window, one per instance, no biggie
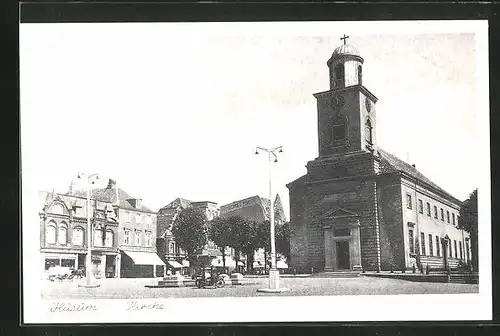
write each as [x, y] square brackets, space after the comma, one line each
[420, 206]
[97, 237]
[408, 201]
[50, 233]
[127, 216]
[78, 236]
[62, 234]
[127, 240]
[149, 237]
[108, 239]
[137, 237]
[171, 247]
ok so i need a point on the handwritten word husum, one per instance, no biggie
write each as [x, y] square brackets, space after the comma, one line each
[134, 305]
[71, 307]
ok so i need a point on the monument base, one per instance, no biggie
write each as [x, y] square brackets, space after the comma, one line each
[274, 283]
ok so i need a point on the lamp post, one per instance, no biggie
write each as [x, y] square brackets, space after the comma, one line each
[90, 180]
[273, 272]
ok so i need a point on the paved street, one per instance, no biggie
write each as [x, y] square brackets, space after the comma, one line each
[135, 288]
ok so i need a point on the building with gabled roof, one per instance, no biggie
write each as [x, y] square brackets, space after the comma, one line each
[136, 237]
[167, 248]
[256, 208]
[359, 206]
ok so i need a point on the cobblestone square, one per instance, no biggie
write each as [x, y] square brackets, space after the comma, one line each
[135, 288]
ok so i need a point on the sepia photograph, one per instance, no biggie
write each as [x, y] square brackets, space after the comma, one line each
[255, 172]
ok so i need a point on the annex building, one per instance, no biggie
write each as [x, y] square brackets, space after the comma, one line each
[359, 207]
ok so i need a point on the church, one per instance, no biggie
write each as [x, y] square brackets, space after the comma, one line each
[358, 207]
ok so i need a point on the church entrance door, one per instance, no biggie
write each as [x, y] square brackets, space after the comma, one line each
[343, 256]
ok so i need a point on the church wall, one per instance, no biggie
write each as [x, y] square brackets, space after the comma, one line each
[356, 195]
[423, 223]
[298, 225]
[392, 244]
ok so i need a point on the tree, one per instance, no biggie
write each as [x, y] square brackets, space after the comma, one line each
[283, 233]
[468, 222]
[236, 223]
[264, 239]
[248, 241]
[219, 231]
[190, 232]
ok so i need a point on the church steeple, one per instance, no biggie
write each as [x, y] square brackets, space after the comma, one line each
[346, 66]
[346, 112]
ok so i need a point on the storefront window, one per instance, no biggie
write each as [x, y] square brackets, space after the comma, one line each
[50, 235]
[62, 235]
[78, 236]
[51, 262]
[109, 239]
[68, 262]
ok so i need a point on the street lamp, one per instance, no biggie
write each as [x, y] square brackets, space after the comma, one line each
[90, 180]
[273, 272]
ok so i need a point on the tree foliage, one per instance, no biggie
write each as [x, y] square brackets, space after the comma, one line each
[283, 233]
[190, 231]
[468, 213]
[468, 222]
[220, 232]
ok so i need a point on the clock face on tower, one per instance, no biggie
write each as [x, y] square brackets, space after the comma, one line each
[337, 101]
[368, 104]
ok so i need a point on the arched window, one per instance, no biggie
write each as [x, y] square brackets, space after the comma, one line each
[97, 237]
[339, 75]
[108, 242]
[360, 74]
[78, 236]
[338, 128]
[50, 233]
[369, 132]
[62, 234]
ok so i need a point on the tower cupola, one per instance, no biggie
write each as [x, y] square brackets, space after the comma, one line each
[346, 66]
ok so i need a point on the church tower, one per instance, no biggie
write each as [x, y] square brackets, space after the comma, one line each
[346, 112]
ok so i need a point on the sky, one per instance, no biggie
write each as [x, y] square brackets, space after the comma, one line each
[170, 110]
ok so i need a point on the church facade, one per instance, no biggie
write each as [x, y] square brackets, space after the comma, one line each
[359, 207]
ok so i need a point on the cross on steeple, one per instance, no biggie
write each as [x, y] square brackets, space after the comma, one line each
[344, 38]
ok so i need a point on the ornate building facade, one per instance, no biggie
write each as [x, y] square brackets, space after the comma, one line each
[63, 233]
[358, 206]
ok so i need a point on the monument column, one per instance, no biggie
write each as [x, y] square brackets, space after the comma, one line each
[328, 248]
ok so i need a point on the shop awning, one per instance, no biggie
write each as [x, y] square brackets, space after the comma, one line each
[144, 258]
[174, 264]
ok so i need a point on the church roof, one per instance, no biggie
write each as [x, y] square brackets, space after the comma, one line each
[391, 163]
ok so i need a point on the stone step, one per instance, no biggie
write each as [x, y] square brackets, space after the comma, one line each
[337, 274]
